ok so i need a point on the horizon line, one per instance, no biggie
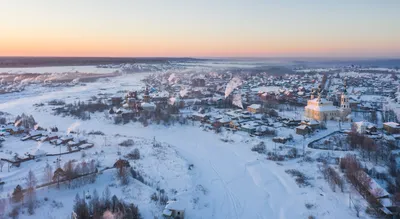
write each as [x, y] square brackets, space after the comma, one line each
[219, 57]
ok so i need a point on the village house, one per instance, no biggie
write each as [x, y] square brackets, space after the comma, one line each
[365, 127]
[225, 121]
[254, 108]
[62, 140]
[48, 137]
[200, 117]
[313, 124]
[77, 141]
[249, 126]
[32, 135]
[16, 130]
[303, 130]
[6, 128]
[234, 124]
[263, 130]
[291, 122]
[391, 127]
[37, 153]
[174, 209]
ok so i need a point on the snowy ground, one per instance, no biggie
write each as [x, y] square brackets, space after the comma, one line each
[58, 69]
[228, 179]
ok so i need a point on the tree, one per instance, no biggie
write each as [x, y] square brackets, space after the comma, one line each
[122, 174]
[81, 208]
[94, 205]
[31, 182]
[136, 154]
[260, 148]
[114, 203]
[2, 162]
[48, 173]
[369, 145]
[17, 195]
[14, 214]
[59, 174]
[69, 171]
[106, 197]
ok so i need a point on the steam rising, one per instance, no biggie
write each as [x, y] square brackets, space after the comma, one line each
[232, 85]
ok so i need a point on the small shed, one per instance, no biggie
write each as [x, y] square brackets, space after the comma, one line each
[174, 209]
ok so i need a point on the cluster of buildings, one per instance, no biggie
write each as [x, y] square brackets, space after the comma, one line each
[53, 137]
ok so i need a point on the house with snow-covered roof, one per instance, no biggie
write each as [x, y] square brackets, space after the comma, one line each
[364, 127]
[174, 209]
[303, 130]
[36, 153]
[391, 127]
[254, 108]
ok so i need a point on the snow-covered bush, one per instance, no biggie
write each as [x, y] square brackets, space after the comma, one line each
[127, 143]
[133, 155]
[136, 175]
[96, 133]
[309, 205]
[292, 153]
[14, 214]
[259, 148]
[56, 102]
[301, 179]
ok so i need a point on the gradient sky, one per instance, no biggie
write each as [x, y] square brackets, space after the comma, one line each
[207, 28]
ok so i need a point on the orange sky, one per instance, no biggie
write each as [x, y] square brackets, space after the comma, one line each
[181, 28]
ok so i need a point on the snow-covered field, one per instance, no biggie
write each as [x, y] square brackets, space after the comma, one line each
[58, 69]
[228, 179]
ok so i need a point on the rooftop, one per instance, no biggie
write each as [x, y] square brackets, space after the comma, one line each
[175, 205]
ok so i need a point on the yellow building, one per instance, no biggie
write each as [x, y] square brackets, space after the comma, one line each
[321, 109]
[254, 108]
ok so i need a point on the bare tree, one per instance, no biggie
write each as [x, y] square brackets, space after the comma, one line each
[48, 173]
[2, 162]
[122, 174]
[369, 145]
[69, 171]
[31, 182]
[17, 194]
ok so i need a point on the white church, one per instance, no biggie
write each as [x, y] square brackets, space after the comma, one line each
[321, 109]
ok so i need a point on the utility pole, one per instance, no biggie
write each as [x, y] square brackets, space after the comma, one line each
[304, 148]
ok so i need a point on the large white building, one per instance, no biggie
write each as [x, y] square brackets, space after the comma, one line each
[321, 109]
